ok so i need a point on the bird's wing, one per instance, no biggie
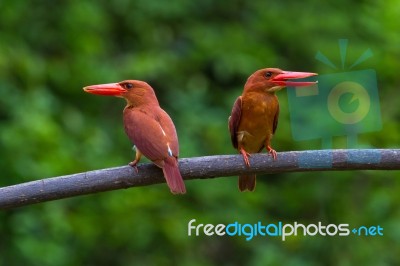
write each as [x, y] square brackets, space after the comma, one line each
[234, 120]
[168, 126]
[275, 125]
[155, 140]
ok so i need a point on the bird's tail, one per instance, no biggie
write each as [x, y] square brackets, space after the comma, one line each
[247, 182]
[173, 176]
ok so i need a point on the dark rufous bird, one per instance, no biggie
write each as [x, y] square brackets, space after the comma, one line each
[148, 126]
[254, 116]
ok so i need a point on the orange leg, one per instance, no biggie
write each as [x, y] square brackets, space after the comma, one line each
[137, 159]
[272, 152]
[246, 156]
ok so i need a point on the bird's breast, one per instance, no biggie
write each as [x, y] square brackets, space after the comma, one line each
[256, 123]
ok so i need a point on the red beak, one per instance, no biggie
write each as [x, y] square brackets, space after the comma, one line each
[111, 89]
[281, 79]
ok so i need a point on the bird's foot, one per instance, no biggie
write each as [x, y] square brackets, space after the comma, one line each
[133, 164]
[272, 152]
[246, 156]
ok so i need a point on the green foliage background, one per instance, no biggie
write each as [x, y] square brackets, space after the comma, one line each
[197, 55]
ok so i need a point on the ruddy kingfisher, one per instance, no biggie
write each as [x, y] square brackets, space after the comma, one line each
[148, 126]
[254, 116]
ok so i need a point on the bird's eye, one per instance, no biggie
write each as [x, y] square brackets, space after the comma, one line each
[128, 86]
[268, 74]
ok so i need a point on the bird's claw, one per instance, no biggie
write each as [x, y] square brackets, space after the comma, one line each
[272, 152]
[133, 164]
[246, 156]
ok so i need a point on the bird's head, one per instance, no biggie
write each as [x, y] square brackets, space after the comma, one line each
[135, 92]
[274, 79]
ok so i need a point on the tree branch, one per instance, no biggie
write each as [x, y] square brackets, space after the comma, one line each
[196, 168]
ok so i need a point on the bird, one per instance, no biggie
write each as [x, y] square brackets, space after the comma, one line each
[148, 126]
[254, 117]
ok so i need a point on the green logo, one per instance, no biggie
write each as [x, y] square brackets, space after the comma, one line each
[340, 104]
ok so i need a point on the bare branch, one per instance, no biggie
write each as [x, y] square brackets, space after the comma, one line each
[196, 168]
